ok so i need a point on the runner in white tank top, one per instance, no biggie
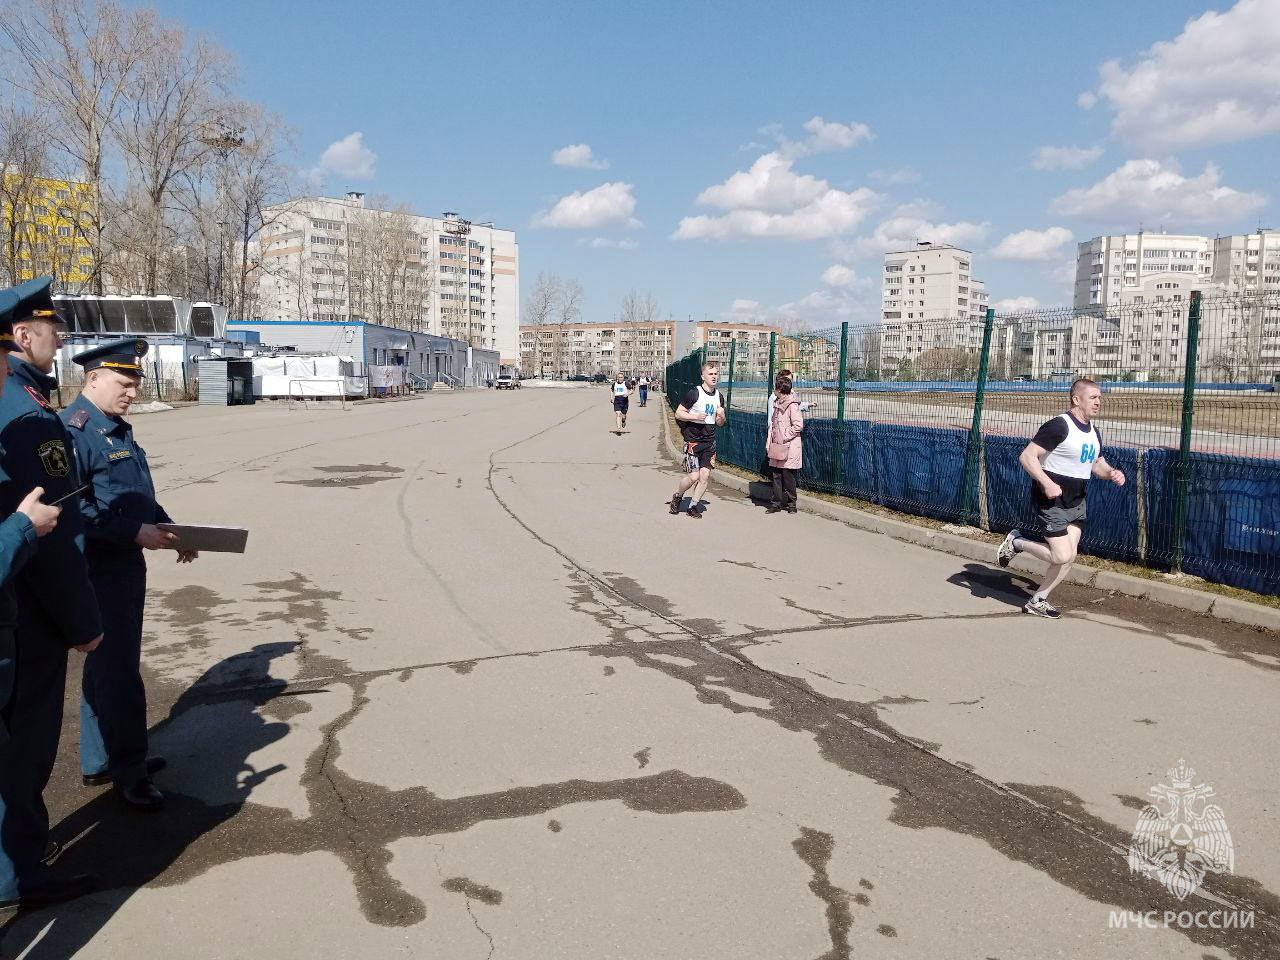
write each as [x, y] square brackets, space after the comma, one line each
[1063, 455]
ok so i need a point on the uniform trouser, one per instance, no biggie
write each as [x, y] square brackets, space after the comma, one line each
[113, 702]
[32, 722]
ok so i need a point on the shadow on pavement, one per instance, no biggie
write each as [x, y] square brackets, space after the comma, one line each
[209, 734]
[988, 584]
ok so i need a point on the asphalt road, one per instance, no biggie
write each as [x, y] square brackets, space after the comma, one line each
[473, 692]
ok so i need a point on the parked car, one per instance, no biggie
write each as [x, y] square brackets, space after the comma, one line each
[508, 381]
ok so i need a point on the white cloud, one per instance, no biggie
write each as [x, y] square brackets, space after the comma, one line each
[834, 213]
[606, 243]
[770, 184]
[838, 275]
[1148, 191]
[826, 137]
[901, 232]
[1215, 82]
[1016, 304]
[1033, 245]
[1064, 158]
[578, 155]
[348, 157]
[610, 204]
[744, 306]
[1087, 100]
[771, 200]
[896, 178]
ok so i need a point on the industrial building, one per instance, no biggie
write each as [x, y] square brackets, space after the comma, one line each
[423, 357]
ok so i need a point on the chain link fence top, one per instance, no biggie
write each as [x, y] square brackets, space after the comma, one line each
[1196, 431]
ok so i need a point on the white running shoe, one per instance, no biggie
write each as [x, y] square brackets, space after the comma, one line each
[1041, 608]
[1007, 549]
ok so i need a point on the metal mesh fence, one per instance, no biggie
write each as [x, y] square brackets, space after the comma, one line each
[930, 416]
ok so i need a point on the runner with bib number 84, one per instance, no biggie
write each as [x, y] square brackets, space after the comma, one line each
[1060, 459]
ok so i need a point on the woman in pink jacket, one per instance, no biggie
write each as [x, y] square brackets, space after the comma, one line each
[785, 454]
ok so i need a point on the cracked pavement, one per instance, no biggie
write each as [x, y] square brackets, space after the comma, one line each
[473, 692]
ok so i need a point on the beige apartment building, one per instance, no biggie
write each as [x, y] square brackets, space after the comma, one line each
[561, 350]
[932, 281]
[338, 260]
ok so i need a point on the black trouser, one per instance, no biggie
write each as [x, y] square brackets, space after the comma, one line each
[784, 486]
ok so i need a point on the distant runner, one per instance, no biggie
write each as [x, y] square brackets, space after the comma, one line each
[700, 412]
[644, 389]
[1060, 458]
[621, 400]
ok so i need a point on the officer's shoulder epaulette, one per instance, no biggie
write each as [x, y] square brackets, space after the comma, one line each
[78, 419]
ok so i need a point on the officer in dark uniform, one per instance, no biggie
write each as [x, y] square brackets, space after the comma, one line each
[57, 609]
[121, 514]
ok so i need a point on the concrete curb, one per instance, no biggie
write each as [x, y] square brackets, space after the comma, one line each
[1197, 601]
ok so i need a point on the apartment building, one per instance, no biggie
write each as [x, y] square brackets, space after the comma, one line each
[1108, 267]
[932, 281]
[557, 351]
[337, 260]
[1131, 308]
[750, 356]
[43, 224]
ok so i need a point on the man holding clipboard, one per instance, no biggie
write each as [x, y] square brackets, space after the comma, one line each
[121, 520]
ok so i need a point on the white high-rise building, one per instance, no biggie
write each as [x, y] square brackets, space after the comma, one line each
[1131, 297]
[328, 259]
[931, 302]
[1111, 269]
[932, 281]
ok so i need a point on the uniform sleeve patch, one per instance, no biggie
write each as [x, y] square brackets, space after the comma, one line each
[53, 457]
[119, 455]
[78, 419]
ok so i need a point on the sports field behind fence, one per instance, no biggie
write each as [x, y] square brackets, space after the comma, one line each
[929, 417]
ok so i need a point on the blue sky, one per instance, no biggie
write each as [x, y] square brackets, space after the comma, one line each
[932, 114]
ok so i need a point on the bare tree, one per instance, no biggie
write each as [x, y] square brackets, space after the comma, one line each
[177, 96]
[539, 311]
[76, 58]
[569, 311]
[22, 160]
[389, 278]
[638, 312]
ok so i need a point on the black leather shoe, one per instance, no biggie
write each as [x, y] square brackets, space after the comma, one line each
[51, 851]
[774, 508]
[154, 765]
[141, 795]
[50, 891]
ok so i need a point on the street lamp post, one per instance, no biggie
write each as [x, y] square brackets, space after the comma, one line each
[223, 139]
[456, 226]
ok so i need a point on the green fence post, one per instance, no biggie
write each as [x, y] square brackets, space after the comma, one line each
[973, 450]
[837, 452]
[1182, 482]
[728, 398]
[768, 384]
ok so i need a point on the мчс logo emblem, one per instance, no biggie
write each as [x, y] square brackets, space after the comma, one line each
[1180, 837]
[53, 456]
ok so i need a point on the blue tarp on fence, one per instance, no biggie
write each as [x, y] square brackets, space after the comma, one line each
[1233, 508]
[1233, 517]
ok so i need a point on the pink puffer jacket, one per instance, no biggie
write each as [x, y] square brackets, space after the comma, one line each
[788, 422]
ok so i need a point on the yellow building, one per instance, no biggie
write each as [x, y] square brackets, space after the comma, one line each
[43, 231]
